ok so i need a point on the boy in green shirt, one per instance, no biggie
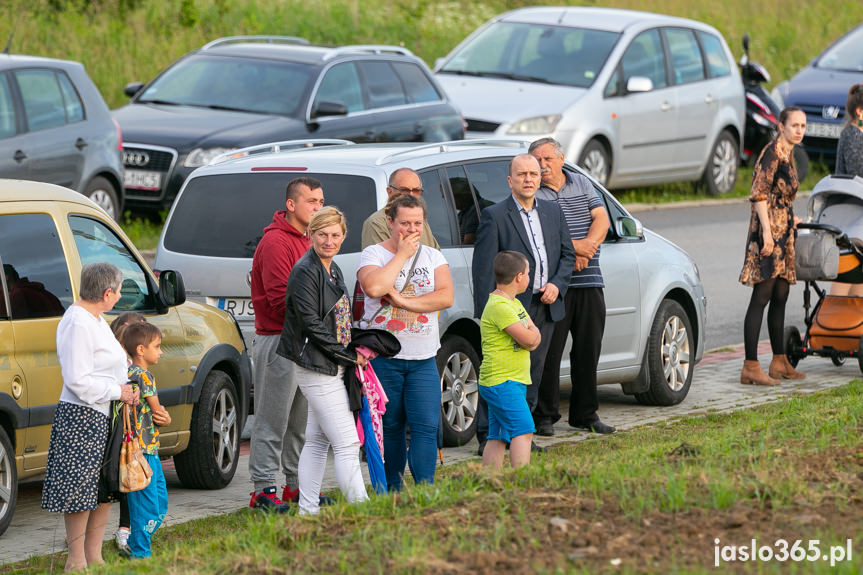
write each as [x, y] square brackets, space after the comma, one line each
[508, 335]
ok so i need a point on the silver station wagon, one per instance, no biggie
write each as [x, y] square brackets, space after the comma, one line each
[635, 98]
[654, 332]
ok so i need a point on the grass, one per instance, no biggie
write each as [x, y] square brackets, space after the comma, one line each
[649, 500]
[121, 41]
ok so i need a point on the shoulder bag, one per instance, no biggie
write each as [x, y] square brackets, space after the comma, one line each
[135, 472]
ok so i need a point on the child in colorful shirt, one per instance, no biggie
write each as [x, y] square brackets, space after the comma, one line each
[508, 334]
[147, 508]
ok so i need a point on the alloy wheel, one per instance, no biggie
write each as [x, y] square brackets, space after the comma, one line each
[675, 353]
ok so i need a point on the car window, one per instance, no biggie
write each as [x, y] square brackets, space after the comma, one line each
[438, 213]
[225, 216]
[644, 57]
[7, 109]
[246, 84]
[845, 55]
[417, 84]
[34, 266]
[714, 54]
[71, 99]
[341, 85]
[383, 88]
[43, 101]
[466, 212]
[96, 242]
[553, 54]
[686, 63]
[488, 181]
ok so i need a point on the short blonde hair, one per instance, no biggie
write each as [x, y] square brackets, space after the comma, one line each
[326, 217]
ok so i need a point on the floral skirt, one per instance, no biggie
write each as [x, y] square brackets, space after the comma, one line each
[78, 437]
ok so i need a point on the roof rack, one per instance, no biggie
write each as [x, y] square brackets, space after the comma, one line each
[370, 48]
[260, 39]
[442, 147]
[276, 147]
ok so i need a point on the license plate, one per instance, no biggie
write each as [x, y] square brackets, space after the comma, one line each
[240, 308]
[142, 180]
[822, 130]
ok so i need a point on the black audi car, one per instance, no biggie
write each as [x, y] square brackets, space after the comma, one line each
[242, 91]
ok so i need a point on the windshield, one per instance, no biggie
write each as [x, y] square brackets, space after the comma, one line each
[225, 216]
[228, 83]
[535, 53]
[846, 54]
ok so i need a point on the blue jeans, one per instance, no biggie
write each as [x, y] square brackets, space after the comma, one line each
[413, 390]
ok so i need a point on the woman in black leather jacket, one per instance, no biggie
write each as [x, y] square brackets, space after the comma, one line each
[315, 338]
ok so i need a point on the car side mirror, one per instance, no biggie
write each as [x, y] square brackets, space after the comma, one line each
[330, 109]
[172, 289]
[133, 88]
[639, 84]
[629, 228]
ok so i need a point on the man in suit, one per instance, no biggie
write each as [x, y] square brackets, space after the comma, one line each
[538, 230]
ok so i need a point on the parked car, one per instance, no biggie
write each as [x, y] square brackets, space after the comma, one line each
[635, 98]
[55, 128]
[239, 91]
[47, 234]
[821, 90]
[654, 333]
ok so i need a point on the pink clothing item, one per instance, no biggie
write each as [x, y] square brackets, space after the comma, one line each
[375, 395]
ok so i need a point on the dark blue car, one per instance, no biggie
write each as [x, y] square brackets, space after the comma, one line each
[821, 90]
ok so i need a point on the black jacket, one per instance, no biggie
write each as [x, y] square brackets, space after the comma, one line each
[309, 332]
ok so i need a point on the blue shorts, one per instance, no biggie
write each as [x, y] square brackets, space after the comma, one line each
[508, 413]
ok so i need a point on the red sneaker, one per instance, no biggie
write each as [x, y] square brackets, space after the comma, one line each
[267, 500]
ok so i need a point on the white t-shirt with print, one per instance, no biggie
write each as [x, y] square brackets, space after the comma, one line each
[417, 332]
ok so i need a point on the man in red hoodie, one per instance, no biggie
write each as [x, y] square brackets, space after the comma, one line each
[279, 427]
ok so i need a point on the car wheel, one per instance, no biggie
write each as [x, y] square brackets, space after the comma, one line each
[596, 160]
[720, 174]
[838, 359]
[793, 345]
[670, 350]
[801, 162]
[210, 460]
[8, 481]
[104, 195]
[458, 365]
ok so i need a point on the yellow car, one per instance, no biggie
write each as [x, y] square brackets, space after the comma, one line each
[47, 233]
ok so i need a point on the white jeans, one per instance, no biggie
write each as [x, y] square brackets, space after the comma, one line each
[330, 422]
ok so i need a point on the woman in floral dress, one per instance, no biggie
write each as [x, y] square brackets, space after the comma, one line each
[769, 263]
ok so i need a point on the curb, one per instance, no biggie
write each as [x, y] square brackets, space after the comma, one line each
[645, 207]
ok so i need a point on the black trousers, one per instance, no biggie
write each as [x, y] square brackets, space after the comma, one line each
[585, 322]
[539, 313]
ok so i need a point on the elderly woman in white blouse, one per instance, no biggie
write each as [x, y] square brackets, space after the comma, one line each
[93, 365]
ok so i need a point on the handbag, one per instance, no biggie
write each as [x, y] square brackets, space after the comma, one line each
[816, 256]
[135, 472]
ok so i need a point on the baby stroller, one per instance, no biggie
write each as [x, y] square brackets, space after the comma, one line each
[830, 248]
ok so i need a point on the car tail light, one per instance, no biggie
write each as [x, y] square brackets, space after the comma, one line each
[359, 304]
[119, 135]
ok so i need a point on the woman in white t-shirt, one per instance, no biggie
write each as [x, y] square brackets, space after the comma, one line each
[405, 286]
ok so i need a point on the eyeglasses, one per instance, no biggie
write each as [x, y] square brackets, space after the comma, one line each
[414, 191]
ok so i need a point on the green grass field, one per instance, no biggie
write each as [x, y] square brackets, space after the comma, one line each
[651, 500]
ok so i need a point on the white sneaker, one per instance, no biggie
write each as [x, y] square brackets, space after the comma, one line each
[121, 538]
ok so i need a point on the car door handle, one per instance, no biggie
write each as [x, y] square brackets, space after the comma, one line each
[19, 156]
[80, 143]
[665, 106]
[708, 99]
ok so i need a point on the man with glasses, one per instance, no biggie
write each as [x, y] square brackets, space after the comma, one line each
[375, 229]
[537, 229]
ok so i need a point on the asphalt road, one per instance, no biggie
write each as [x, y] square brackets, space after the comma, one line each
[714, 235]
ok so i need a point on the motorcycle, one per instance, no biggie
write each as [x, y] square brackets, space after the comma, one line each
[762, 114]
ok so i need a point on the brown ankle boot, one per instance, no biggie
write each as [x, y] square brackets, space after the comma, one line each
[753, 373]
[780, 367]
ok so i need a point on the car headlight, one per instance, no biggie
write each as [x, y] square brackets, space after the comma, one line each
[536, 125]
[203, 156]
[776, 94]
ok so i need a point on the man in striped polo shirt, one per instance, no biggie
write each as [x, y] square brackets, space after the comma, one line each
[584, 301]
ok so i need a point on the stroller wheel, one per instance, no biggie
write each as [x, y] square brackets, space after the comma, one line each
[838, 359]
[793, 345]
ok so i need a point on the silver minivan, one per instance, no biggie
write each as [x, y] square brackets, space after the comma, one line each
[654, 332]
[635, 98]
